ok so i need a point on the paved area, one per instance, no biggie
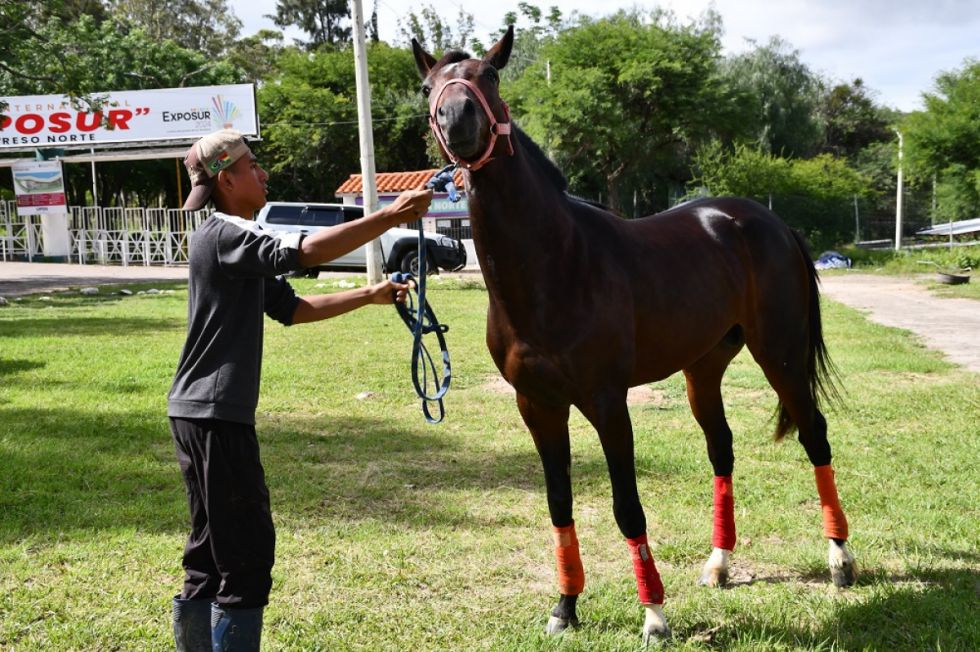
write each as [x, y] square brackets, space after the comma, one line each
[28, 278]
[950, 325]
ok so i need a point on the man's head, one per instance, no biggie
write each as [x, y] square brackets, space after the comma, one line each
[223, 169]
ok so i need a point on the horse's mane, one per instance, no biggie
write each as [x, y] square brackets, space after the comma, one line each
[452, 56]
[551, 172]
[540, 160]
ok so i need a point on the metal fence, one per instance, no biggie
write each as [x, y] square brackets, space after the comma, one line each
[20, 237]
[107, 236]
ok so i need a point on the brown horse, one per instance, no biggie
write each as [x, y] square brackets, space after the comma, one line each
[585, 305]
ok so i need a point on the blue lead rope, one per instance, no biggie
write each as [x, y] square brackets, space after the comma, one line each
[421, 319]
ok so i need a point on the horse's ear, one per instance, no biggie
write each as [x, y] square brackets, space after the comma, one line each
[423, 60]
[499, 54]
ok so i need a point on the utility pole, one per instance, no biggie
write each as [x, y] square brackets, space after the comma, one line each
[898, 196]
[364, 129]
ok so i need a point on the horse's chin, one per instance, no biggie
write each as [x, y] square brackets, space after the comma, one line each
[465, 149]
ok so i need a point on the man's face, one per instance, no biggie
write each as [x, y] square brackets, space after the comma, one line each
[249, 181]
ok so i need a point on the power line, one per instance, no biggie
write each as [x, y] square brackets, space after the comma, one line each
[344, 122]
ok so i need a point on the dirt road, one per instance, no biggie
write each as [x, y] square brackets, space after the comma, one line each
[950, 325]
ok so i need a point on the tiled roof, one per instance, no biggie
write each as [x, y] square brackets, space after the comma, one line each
[395, 181]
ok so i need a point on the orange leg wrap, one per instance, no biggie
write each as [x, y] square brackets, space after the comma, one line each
[834, 521]
[571, 576]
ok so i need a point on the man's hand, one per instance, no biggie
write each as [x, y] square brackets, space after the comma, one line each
[409, 206]
[388, 292]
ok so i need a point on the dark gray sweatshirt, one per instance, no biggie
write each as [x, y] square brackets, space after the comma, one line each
[233, 279]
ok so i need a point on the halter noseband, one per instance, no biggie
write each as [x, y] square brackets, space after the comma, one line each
[496, 128]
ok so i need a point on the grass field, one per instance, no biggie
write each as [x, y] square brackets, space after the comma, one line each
[397, 535]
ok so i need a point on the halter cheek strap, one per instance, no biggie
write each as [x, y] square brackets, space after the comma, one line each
[496, 128]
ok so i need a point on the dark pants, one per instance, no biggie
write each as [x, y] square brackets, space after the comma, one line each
[230, 551]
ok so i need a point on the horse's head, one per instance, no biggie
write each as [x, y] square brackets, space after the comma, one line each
[465, 110]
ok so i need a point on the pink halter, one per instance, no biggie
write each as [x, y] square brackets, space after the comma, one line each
[496, 128]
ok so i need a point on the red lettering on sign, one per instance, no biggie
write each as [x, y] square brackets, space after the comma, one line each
[60, 122]
[96, 120]
[5, 121]
[119, 118]
[36, 126]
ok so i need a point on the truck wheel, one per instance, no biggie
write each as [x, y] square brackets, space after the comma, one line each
[409, 263]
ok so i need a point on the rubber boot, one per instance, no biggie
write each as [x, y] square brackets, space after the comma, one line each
[235, 630]
[192, 625]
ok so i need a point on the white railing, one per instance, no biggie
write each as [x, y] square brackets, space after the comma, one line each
[20, 236]
[105, 235]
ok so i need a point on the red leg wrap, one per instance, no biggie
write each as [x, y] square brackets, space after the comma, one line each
[723, 535]
[571, 575]
[648, 583]
[834, 521]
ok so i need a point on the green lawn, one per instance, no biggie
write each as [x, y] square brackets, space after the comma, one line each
[397, 535]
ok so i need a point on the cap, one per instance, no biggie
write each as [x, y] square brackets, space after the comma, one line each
[206, 158]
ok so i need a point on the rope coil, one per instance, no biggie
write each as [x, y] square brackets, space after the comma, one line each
[421, 319]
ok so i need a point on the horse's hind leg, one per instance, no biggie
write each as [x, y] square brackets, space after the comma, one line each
[704, 394]
[549, 429]
[790, 381]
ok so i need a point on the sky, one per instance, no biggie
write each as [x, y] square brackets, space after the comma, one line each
[897, 47]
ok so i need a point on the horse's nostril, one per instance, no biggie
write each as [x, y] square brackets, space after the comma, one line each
[469, 107]
[442, 111]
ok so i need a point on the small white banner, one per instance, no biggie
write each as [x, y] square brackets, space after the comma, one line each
[49, 121]
[40, 188]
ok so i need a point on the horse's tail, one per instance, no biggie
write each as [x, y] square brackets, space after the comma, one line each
[820, 370]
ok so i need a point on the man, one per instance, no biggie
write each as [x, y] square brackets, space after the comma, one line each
[234, 268]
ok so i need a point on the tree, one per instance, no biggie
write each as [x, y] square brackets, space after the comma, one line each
[24, 29]
[437, 36]
[310, 133]
[207, 26]
[814, 195]
[84, 59]
[530, 36]
[323, 20]
[628, 99]
[784, 96]
[257, 54]
[943, 142]
[851, 120]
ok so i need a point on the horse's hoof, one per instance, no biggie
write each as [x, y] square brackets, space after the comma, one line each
[843, 568]
[714, 578]
[715, 571]
[558, 625]
[655, 629]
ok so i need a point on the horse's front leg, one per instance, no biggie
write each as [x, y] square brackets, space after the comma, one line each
[549, 428]
[610, 417]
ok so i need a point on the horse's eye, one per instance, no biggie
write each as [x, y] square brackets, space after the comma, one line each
[491, 74]
[425, 91]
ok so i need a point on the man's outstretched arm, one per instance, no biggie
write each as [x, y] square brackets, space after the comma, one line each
[329, 244]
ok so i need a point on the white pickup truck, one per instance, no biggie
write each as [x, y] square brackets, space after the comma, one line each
[399, 247]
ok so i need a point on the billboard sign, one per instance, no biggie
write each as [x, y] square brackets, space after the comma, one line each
[50, 121]
[40, 188]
